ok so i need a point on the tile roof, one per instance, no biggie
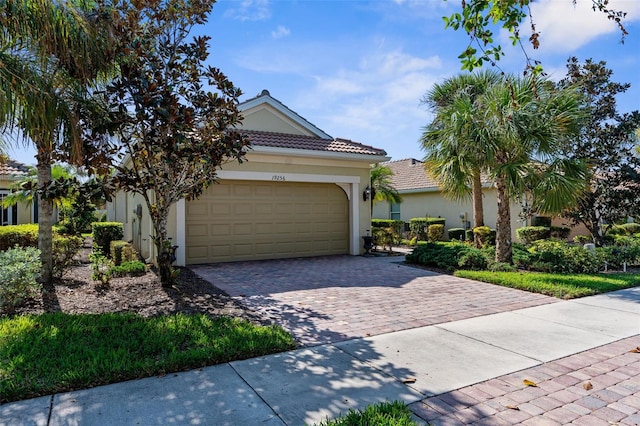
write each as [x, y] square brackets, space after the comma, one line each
[411, 174]
[12, 168]
[312, 143]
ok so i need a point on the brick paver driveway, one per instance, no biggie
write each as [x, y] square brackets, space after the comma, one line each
[329, 299]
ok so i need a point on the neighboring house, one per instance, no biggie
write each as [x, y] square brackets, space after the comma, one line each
[422, 197]
[10, 172]
[300, 193]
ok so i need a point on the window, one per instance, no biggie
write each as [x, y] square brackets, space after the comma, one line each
[394, 213]
[9, 215]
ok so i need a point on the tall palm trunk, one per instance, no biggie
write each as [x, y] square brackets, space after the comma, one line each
[478, 209]
[503, 222]
[45, 213]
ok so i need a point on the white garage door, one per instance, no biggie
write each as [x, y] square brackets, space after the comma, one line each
[249, 220]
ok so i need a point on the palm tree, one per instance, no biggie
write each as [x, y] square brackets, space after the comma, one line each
[457, 152]
[381, 186]
[50, 53]
[528, 123]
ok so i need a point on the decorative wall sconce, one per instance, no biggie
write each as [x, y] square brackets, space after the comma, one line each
[366, 195]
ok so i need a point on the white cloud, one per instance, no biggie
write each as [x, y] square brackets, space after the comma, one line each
[376, 102]
[280, 32]
[564, 27]
[250, 10]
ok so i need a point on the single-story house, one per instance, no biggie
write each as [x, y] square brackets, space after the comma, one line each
[300, 193]
[10, 172]
[422, 197]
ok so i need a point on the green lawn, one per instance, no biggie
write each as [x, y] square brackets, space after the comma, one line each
[563, 286]
[382, 414]
[49, 353]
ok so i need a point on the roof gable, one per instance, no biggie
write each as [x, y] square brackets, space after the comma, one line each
[266, 113]
[12, 169]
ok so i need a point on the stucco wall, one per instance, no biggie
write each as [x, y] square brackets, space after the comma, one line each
[434, 204]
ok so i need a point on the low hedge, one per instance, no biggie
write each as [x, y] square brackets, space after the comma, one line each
[20, 235]
[418, 225]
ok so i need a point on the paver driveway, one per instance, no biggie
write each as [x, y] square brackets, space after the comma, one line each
[334, 298]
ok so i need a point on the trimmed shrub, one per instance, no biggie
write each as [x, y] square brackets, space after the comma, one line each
[473, 259]
[386, 237]
[559, 257]
[129, 268]
[19, 272]
[21, 235]
[582, 239]
[457, 234]
[418, 225]
[541, 221]
[631, 228]
[104, 233]
[122, 251]
[529, 234]
[436, 233]
[468, 235]
[65, 247]
[560, 232]
[486, 235]
[450, 256]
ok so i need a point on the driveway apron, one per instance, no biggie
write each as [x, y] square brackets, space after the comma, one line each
[336, 298]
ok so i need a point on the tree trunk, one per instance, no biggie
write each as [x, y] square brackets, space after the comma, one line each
[45, 212]
[162, 243]
[478, 209]
[503, 222]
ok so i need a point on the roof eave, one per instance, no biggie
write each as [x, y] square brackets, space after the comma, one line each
[296, 152]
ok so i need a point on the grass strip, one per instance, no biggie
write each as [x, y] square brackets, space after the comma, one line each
[57, 352]
[563, 286]
[393, 413]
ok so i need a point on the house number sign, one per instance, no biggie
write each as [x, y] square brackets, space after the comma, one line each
[279, 178]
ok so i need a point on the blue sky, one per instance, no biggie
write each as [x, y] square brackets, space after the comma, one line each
[358, 69]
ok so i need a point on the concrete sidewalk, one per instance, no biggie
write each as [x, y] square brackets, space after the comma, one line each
[307, 385]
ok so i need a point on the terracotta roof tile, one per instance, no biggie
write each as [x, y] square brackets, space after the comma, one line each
[410, 174]
[313, 143]
[12, 168]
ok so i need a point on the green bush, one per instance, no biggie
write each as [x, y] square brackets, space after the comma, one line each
[65, 247]
[468, 235]
[559, 232]
[19, 272]
[21, 235]
[631, 228]
[529, 234]
[386, 237]
[541, 221]
[457, 234]
[397, 225]
[486, 235]
[122, 251]
[473, 259]
[436, 233]
[582, 239]
[104, 233]
[418, 225]
[439, 255]
[101, 267]
[558, 257]
[129, 268]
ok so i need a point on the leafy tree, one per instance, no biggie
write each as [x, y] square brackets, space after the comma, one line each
[606, 143]
[173, 131]
[530, 123]
[456, 150]
[381, 187]
[50, 52]
[478, 17]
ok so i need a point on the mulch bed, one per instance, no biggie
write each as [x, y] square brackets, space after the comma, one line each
[77, 293]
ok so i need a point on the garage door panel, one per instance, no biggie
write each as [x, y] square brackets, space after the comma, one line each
[265, 220]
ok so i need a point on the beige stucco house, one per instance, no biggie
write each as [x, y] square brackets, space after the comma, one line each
[422, 197]
[10, 172]
[300, 193]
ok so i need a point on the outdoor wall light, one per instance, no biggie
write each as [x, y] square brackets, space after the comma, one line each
[367, 193]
